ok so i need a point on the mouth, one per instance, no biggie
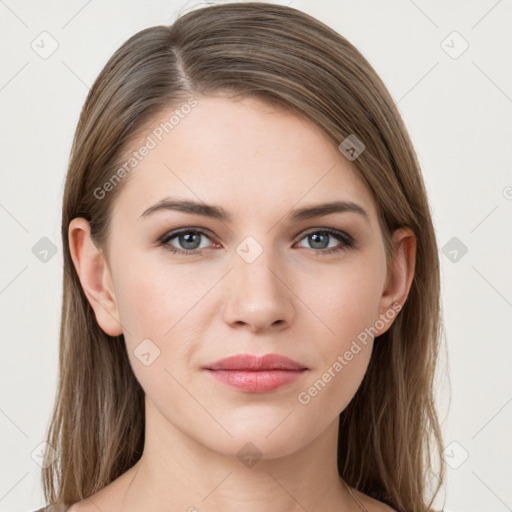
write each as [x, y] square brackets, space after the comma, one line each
[255, 374]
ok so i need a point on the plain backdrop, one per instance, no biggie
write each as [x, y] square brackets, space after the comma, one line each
[448, 68]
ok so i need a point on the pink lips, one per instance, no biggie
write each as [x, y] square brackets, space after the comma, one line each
[255, 374]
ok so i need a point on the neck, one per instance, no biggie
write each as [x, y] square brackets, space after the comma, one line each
[177, 473]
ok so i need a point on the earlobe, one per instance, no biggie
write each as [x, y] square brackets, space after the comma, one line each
[400, 278]
[94, 275]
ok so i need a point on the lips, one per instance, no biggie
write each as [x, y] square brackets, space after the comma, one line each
[254, 374]
[249, 362]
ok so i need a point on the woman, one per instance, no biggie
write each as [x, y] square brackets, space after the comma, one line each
[251, 280]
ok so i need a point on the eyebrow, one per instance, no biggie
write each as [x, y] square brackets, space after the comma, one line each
[217, 212]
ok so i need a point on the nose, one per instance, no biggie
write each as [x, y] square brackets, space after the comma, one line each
[258, 294]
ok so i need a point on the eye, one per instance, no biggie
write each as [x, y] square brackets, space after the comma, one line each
[185, 241]
[323, 241]
[188, 241]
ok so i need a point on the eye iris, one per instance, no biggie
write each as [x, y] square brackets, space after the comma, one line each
[318, 241]
[190, 240]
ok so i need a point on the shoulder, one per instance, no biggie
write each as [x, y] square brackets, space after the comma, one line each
[371, 504]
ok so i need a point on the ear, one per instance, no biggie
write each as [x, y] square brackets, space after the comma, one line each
[400, 277]
[94, 274]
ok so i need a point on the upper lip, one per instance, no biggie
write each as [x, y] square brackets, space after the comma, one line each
[251, 362]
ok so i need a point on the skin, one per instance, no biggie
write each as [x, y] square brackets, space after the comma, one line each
[258, 163]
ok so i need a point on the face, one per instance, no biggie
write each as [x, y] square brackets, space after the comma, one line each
[250, 277]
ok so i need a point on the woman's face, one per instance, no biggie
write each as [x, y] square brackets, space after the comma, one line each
[251, 275]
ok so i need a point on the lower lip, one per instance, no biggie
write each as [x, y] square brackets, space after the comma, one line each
[257, 381]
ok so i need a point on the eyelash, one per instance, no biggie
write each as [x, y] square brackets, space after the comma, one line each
[347, 241]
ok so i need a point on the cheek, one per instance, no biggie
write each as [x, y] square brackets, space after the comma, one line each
[154, 297]
[344, 352]
[344, 298]
[162, 304]
[346, 301]
[153, 310]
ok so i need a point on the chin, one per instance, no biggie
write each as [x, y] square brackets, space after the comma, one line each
[256, 439]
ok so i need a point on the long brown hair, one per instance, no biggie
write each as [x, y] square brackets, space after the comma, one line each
[390, 432]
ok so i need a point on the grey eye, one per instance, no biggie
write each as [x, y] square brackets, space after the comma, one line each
[186, 240]
[320, 240]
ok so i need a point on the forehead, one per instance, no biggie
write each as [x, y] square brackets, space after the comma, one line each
[244, 154]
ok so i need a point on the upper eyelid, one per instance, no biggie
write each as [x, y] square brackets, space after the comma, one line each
[175, 232]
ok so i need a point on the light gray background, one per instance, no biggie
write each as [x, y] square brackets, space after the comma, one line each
[458, 111]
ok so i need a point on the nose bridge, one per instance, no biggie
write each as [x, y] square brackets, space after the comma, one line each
[257, 293]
